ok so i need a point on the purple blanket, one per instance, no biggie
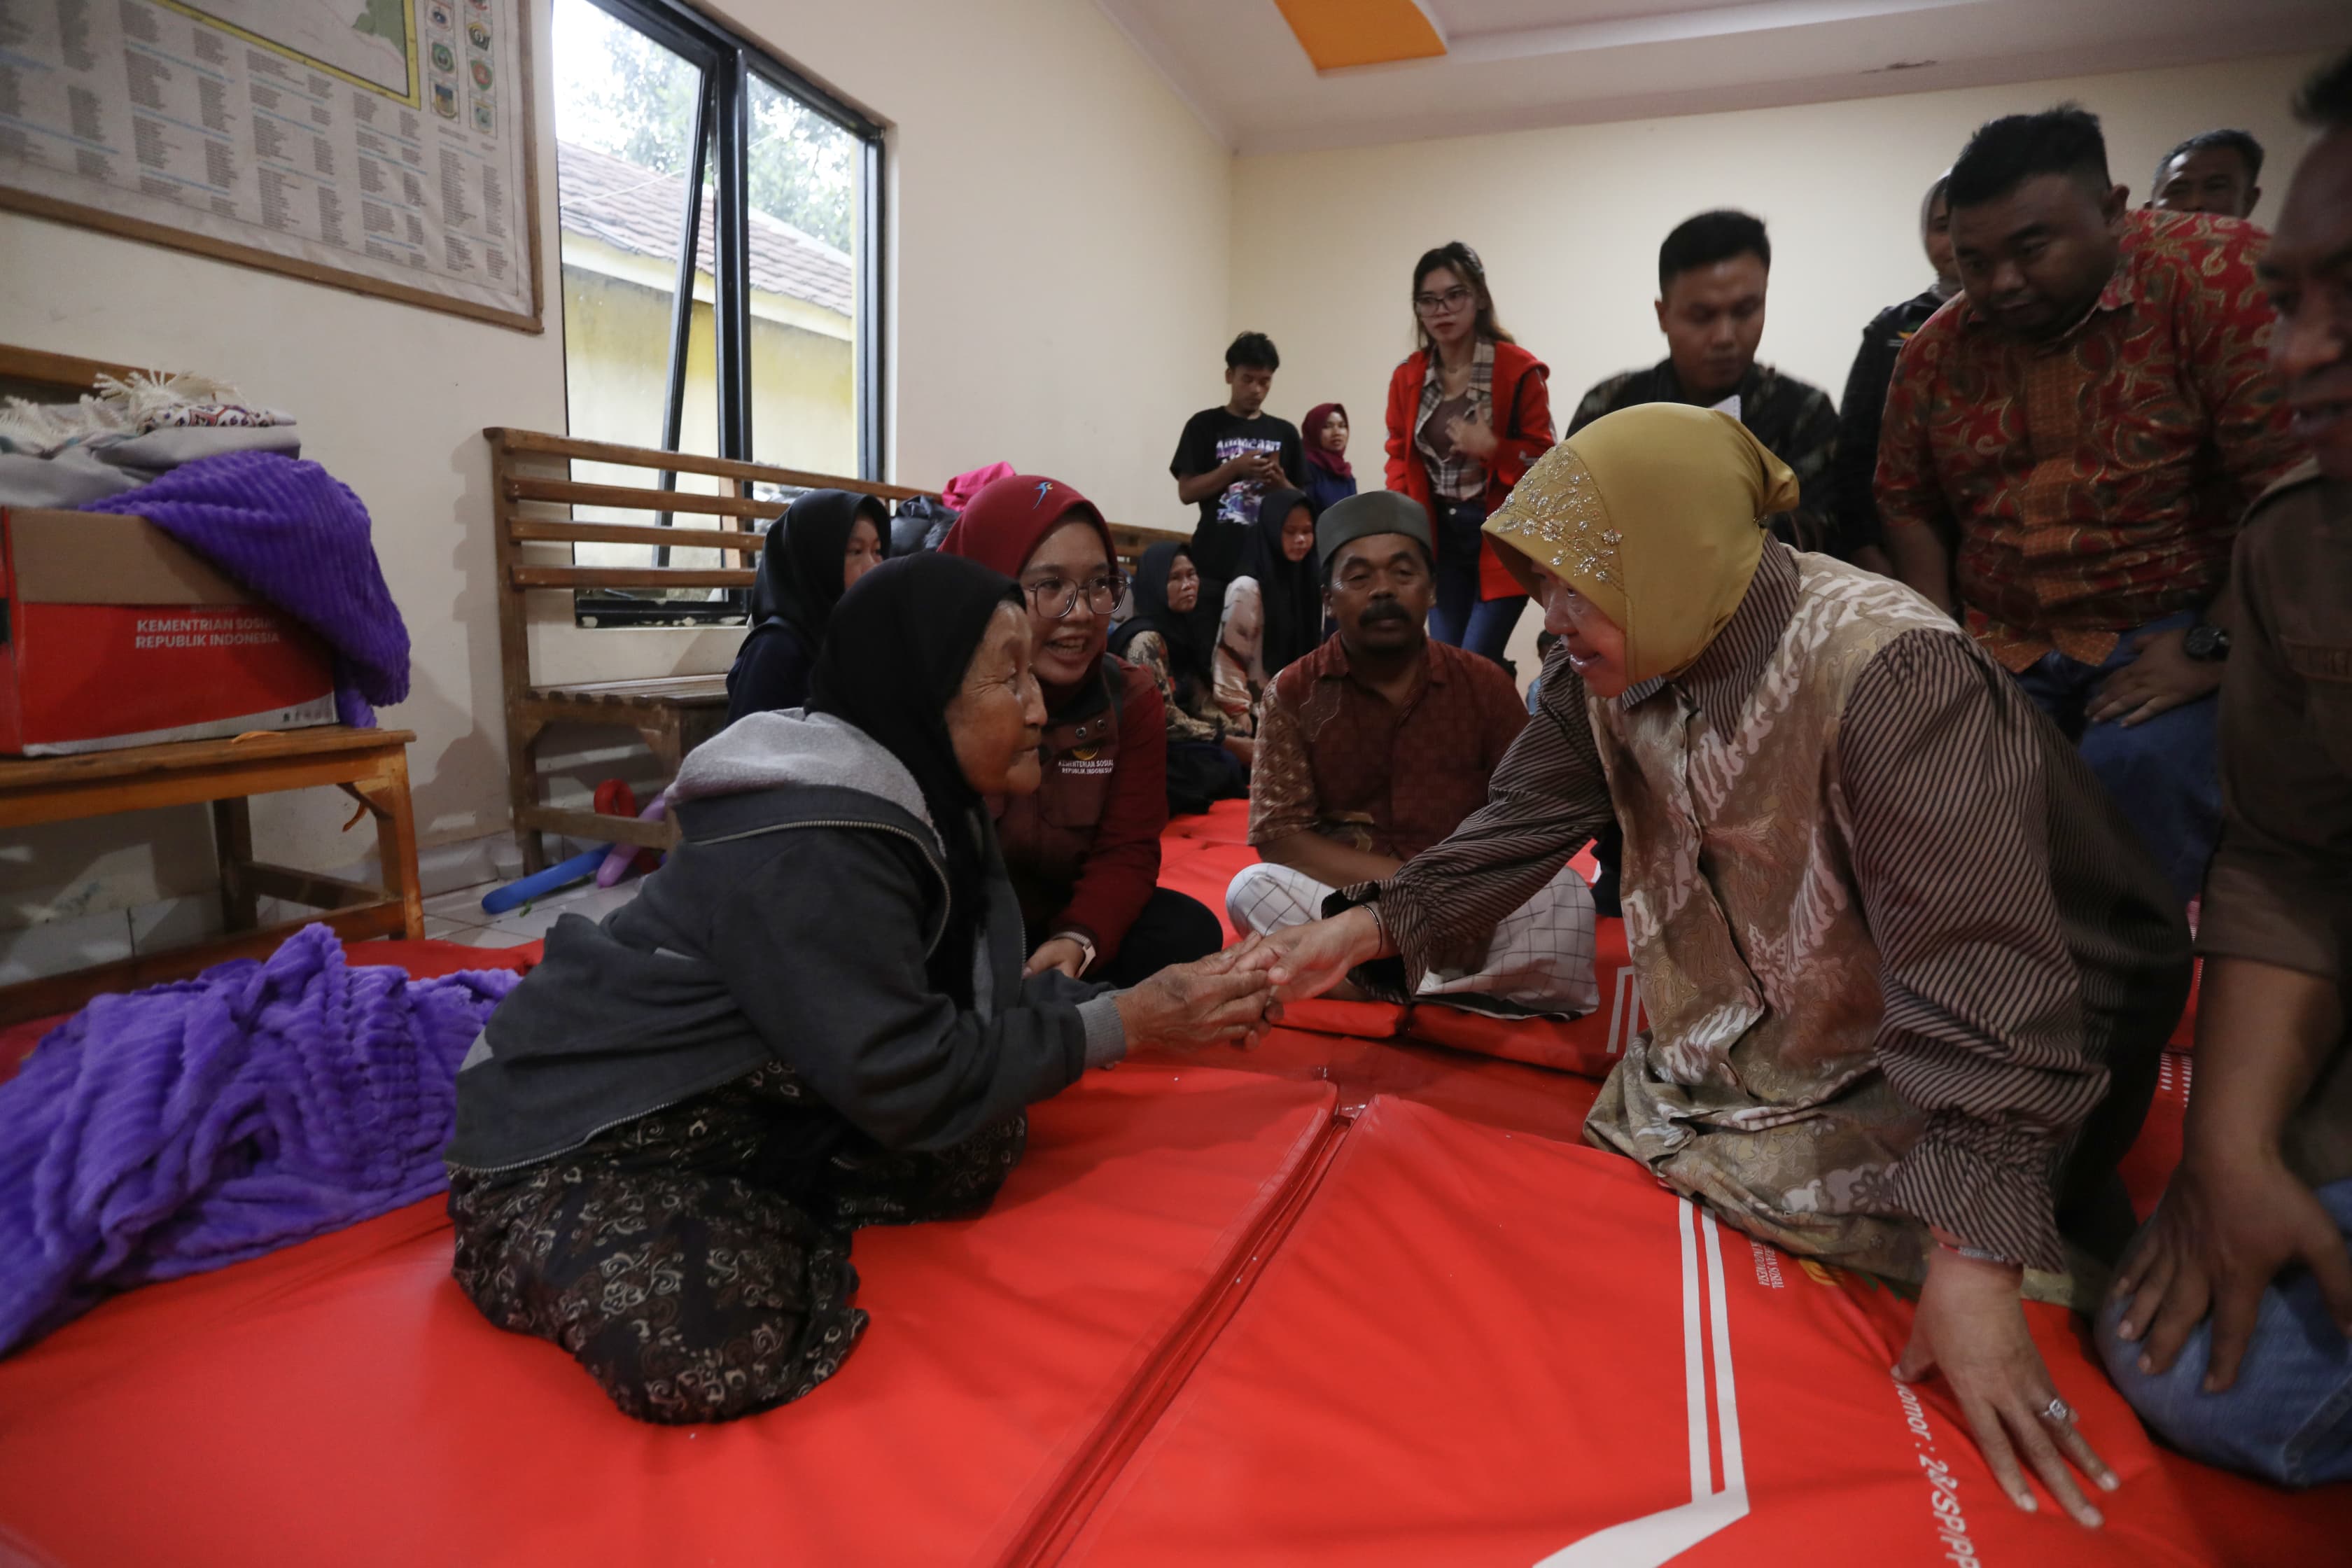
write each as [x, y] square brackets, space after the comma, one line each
[295, 536]
[196, 1124]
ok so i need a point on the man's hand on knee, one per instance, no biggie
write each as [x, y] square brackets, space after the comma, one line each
[2162, 677]
[2223, 1232]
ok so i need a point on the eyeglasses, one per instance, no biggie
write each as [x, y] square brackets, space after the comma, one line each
[1055, 597]
[1433, 304]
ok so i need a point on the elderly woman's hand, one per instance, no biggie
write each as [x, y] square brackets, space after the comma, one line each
[1226, 997]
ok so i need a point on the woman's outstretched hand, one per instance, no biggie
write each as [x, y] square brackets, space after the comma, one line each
[1972, 1329]
[1309, 960]
[1226, 997]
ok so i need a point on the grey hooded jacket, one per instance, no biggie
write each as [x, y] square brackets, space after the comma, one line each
[794, 922]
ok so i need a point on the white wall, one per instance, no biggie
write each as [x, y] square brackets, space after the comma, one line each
[1567, 222]
[1058, 235]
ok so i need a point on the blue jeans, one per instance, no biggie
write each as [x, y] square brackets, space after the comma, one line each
[2288, 1418]
[1460, 618]
[2165, 774]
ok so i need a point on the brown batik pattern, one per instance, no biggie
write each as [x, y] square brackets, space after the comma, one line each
[686, 1261]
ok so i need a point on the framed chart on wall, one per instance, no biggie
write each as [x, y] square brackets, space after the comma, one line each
[378, 145]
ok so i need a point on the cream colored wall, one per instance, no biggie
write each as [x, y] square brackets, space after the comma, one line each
[1567, 222]
[1058, 235]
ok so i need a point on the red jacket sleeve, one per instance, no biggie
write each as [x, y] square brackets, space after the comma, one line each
[1123, 867]
[1524, 428]
[1404, 399]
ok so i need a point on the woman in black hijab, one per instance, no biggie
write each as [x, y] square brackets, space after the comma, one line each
[1280, 553]
[1173, 636]
[812, 1018]
[824, 541]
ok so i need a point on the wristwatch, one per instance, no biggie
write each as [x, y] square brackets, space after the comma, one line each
[2206, 643]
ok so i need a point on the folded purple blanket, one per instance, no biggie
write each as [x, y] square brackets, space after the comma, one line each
[199, 1123]
[295, 536]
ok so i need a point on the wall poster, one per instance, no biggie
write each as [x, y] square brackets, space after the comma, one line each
[381, 145]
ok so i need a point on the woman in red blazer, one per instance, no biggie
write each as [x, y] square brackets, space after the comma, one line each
[1468, 411]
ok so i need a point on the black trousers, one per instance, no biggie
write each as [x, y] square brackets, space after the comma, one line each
[1173, 929]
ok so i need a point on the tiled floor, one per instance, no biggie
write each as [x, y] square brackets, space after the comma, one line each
[459, 917]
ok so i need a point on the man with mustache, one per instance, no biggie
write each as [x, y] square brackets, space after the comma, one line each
[2226, 1328]
[1376, 745]
[2088, 421]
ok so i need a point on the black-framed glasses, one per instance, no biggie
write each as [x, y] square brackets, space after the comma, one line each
[1055, 597]
[1431, 304]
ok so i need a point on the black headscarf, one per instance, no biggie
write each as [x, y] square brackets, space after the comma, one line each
[800, 566]
[1191, 637]
[1290, 591]
[894, 657]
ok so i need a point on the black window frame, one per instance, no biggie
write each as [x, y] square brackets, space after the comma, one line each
[722, 120]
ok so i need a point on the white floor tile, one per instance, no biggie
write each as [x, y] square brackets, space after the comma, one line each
[174, 922]
[56, 947]
[487, 936]
[463, 907]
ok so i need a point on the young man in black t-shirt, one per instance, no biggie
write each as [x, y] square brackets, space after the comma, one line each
[1228, 457]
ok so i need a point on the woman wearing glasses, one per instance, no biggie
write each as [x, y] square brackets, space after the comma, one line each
[1468, 411]
[1084, 850]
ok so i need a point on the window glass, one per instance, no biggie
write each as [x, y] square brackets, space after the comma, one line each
[632, 80]
[803, 171]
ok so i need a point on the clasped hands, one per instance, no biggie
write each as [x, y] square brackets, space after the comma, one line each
[1236, 996]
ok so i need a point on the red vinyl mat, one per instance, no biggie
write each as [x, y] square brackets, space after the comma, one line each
[1479, 1347]
[341, 1402]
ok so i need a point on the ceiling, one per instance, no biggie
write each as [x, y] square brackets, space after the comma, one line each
[1511, 64]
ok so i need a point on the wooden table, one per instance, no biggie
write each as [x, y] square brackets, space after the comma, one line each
[368, 765]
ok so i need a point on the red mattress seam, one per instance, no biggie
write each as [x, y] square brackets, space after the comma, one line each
[1065, 1510]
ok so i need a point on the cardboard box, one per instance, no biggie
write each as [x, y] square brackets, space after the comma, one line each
[112, 634]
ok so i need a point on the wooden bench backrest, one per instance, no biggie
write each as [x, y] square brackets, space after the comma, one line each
[537, 498]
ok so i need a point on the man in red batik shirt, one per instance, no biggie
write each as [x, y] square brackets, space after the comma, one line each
[2068, 447]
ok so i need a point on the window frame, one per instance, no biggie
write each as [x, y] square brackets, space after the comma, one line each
[722, 144]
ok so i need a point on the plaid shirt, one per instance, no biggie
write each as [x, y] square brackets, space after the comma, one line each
[1453, 474]
[2093, 484]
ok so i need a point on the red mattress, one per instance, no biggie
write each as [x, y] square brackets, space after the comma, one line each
[1477, 1347]
[341, 1402]
[1205, 1320]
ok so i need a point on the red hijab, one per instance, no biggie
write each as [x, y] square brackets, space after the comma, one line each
[1011, 516]
[1330, 462]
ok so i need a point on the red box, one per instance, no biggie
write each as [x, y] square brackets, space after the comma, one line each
[112, 634]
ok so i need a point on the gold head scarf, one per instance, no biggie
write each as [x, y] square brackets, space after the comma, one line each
[1655, 514]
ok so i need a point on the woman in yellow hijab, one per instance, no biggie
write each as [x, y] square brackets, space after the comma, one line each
[1906, 971]
[1693, 485]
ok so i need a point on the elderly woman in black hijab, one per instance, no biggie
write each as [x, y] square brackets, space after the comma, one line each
[1173, 636]
[668, 1132]
[1280, 553]
[824, 541]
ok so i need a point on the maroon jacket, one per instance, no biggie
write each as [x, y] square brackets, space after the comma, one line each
[1083, 851]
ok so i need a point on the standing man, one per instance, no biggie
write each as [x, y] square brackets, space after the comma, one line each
[1229, 458]
[2256, 1227]
[1377, 745]
[1864, 403]
[2213, 172]
[2089, 423]
[1712, 272]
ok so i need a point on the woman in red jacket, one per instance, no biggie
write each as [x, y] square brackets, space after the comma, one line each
[1083, 851]
[1468, 411]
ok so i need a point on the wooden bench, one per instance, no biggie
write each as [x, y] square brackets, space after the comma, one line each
[368, 765]
[537, 498]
